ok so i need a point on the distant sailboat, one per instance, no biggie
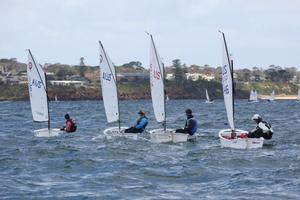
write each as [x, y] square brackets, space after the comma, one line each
[253, 96]
[298, 97]
[108, 79]
[272, 96]
[38, 93]
[55, 98]
[167, 98]
[208, 100]
[158, 100]
[231, 137]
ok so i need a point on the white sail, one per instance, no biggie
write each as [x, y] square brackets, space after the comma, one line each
[207, 96]
[157, 83]
[272, 97]
[109, 86]
[251, 98]
[255, 96]
[37, 90]
[298, 97]
[227, 83]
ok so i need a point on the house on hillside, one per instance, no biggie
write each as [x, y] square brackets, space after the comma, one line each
[170, 76]
[196, 76]
[10, 80]
[69, 82]
[75, 80]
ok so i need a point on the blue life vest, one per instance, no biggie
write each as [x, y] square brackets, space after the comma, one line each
[192, 122]
[142, 123]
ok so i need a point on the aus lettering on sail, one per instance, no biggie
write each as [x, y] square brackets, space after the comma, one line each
[33, 82]
[225, 79]
[105, 76]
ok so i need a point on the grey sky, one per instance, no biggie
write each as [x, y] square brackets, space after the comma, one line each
[259, 32]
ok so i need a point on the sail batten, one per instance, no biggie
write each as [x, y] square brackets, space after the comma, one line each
[37, 90]
[227, 82]
[157, 83]
[108, 81]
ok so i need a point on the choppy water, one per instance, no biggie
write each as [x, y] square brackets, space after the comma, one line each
[75, 166]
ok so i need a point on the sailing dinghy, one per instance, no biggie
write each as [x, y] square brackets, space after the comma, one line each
[253, 97]
[208, 100]
[159, 100]
[38, 94]
[108, 79]
[272, 96]
[232, 137]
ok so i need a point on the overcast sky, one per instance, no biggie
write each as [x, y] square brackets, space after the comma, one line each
[259, 32]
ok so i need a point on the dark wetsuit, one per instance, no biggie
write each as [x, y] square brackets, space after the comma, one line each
[190, 127]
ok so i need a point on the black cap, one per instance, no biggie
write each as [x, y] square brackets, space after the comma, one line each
[188, 111]
[67, 116]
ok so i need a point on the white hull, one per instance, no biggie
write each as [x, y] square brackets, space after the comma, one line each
[114, 132]
[252, 101]
[209, 101]
[45, 132]
[239, 143]
[161, 136]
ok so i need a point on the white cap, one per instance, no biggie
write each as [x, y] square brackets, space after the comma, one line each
[256, 117]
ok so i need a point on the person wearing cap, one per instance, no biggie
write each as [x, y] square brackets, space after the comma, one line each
[263, 128]
[70, 125]
[191, 124]
[141, 124]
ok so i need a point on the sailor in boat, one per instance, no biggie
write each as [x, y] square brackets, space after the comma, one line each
[70, 125]
[191, 124]
[263, 129]
[141, 124]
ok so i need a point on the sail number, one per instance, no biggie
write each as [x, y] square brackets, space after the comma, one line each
[225, 78]
[226, 89]
[106, 76]
[36, 83]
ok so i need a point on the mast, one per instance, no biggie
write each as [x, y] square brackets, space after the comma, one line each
[233, 86]
[161, 69]
[47, 104]
[115, 81]
[44, 86]
[165, 92]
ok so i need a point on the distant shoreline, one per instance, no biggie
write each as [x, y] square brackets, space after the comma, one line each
[279, 97]
[262, 97]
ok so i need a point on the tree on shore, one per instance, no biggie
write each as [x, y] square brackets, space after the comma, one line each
[179, 72]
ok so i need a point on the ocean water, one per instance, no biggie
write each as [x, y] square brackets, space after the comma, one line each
[86, 165]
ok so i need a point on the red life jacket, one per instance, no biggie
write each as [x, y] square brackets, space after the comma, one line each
[71, 125]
